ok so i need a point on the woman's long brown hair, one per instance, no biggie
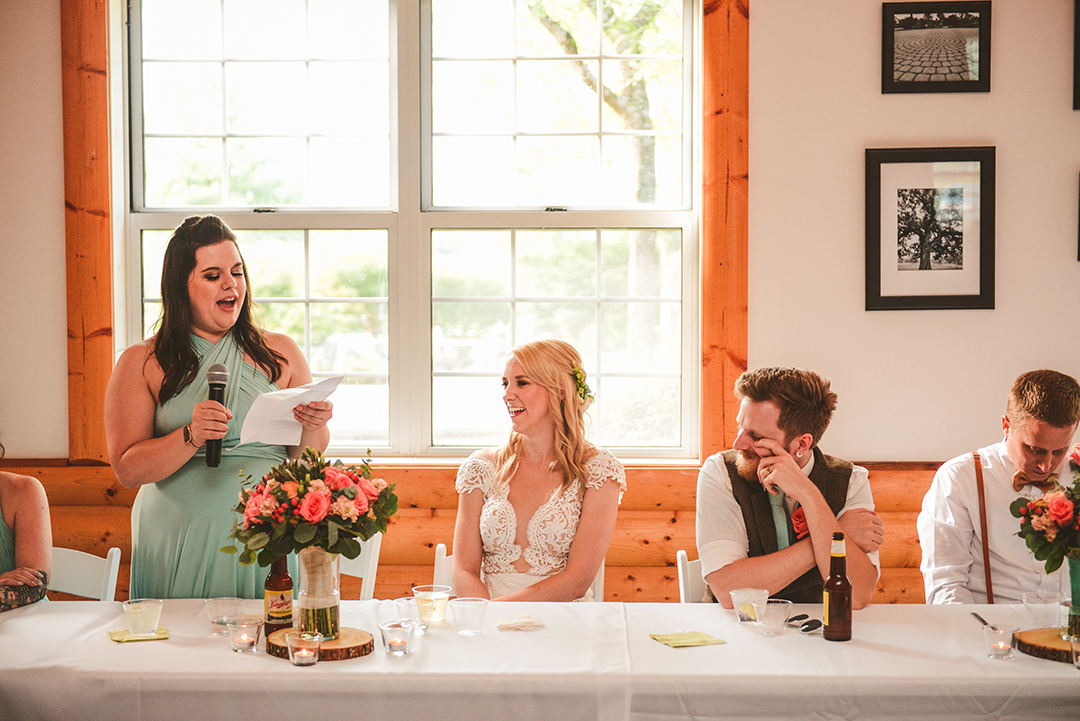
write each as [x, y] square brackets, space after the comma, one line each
[172, 343]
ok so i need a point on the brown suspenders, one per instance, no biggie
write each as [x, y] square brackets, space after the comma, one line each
[982, 522]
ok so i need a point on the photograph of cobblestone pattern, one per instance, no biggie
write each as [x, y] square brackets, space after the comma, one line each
[936, 47]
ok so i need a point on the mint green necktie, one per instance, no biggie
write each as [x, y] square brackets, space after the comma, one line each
[779, 516]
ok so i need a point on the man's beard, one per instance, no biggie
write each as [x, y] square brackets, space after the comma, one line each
[747, 465]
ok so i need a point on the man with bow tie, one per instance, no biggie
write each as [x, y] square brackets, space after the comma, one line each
[767, 509]
[1039, 424]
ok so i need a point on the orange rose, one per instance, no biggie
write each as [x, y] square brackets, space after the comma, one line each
[314, 507]
[1059, 508]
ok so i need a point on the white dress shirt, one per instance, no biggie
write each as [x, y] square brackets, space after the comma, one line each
[721, 530]
[951, 536]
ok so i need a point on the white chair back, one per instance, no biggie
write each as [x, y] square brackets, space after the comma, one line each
[365, 566]
[84, 574]
[444, 573]
[691, 584]
[444, 567]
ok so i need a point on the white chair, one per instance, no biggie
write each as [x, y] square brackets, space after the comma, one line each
[84, 574]
[691, 584]
[444, 573]
[365, 566]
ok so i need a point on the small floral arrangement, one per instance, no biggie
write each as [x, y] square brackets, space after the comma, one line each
[583, 391]
[798, 521]
[1049, 525]
[310, 502]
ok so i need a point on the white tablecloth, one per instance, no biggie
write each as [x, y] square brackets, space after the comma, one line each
[903, 662]
[592, 661]
[58, 663]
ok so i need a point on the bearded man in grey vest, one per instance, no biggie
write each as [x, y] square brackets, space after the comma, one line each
[767, 509]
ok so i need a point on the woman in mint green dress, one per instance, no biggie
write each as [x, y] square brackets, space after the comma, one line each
[158, 419]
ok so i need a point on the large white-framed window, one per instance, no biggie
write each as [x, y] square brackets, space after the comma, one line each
[412, 198]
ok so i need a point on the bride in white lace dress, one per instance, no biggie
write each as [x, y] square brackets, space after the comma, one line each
[535, 516]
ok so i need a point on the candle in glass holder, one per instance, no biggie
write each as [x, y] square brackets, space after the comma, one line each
[303, 647]
[999, 641]
[244, 633]
[396, 636]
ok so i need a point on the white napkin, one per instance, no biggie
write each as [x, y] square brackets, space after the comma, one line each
[524, 622]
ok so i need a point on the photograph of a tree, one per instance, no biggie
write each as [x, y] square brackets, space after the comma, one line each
[930, 228]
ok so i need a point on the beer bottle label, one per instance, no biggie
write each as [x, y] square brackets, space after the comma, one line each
[825, 608]
[838, 549]
[279, 607]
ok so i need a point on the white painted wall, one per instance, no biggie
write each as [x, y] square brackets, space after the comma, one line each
[33, 312]
[912, 385]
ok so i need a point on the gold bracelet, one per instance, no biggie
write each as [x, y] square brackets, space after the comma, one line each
[188, 437]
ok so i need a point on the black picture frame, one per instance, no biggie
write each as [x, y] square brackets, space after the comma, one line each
[954, 269]
[1076, 54]
[926, 47]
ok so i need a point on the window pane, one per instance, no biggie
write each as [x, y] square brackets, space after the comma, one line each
[349, 264]
[473, 337]
[348, 172]
[472, 97]
[349, 29]
[267, 171]
[181, 98]
[653, 28]
[287, 318]
[574, 323]
[333, 112]
[556, 263]
[643, 169]
[655, 92]
[361, 413]
[174, 30]
[641, 263]
[468, 411]
[275, 262]
[349, 338]
[182, 172]
[265, 29]
[153, 257]
[641, 337]
[637, 412]
[534, 39]
[455, 270]
[470, 170]
[485, 31]
[558, 171]
[552, 98]
[266, 98]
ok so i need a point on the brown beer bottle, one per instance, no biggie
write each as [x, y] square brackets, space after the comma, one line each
[278, 592]
[837, 597]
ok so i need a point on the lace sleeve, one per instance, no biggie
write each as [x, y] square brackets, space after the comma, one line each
[604, 467]
[475, 473]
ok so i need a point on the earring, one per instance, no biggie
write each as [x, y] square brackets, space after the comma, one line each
[799, 454]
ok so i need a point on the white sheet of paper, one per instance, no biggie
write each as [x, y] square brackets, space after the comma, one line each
[270, 419]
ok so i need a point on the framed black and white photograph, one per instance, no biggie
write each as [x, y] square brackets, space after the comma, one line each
[1076, 54]
[929, 228]
[935, 47]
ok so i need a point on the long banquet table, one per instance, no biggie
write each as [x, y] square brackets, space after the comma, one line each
[591, 661]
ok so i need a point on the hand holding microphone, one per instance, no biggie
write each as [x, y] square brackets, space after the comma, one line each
[217, 376]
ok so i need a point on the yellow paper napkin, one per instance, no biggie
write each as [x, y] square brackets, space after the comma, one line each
[124, 635]
[687, 638]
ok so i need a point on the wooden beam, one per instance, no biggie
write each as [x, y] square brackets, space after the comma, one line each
[88, 220]
[724, 220]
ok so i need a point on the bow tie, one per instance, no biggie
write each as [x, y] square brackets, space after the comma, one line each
[1020, 480]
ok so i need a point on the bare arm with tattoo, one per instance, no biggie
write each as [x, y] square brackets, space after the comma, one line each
[26, 511]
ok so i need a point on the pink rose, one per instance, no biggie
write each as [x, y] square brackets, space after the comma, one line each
[253, 508]
[1059, 508]
[798, 521]
[1075, 455]
[336, 480]
[314, 507]
[367, 488]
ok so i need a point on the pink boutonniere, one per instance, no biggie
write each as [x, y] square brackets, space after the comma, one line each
[798, 521]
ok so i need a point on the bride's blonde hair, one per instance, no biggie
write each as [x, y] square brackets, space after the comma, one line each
[555, 365]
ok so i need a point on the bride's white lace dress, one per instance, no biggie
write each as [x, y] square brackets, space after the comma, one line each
[549, 532]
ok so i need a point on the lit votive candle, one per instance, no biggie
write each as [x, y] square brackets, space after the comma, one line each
[396, 636]
[303, 647]
[999, 641]
[244, 634]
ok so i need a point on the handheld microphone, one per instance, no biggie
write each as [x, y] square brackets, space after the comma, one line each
[217, 376]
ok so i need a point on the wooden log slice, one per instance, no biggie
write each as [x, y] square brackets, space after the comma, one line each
[1043, 643]
[350, 643]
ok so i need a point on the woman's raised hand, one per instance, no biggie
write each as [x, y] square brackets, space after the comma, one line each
[314, 415]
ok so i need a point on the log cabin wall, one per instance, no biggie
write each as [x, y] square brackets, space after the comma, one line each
[91, 512]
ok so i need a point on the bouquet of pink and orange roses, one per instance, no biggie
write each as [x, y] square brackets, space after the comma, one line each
[309, 502]
[1049, 525]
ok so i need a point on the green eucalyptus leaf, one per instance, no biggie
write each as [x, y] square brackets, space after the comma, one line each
[304, 533]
